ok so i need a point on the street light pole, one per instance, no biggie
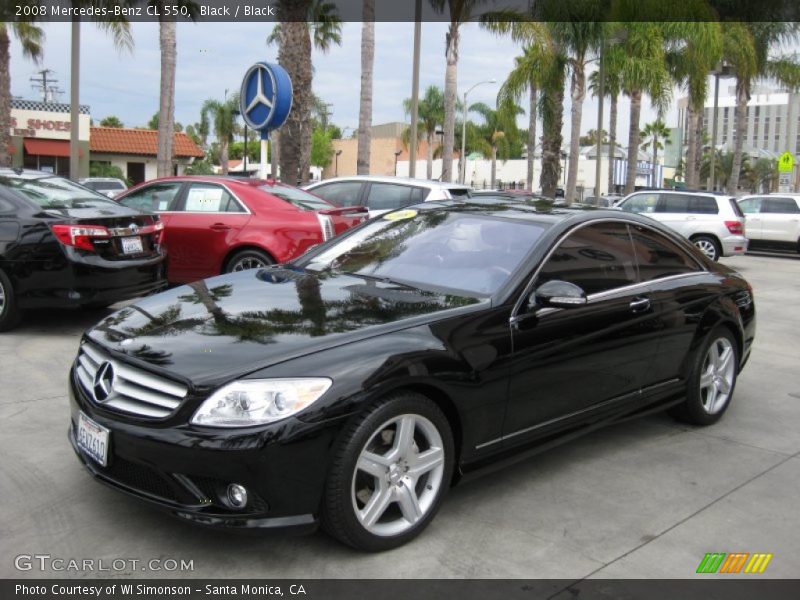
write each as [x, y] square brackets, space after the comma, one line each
[462, 176]
[412, 158]
[601, 97]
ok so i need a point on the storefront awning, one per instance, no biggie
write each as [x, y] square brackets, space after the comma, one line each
[48, 147]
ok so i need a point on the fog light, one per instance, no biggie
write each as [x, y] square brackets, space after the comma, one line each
[237, 495]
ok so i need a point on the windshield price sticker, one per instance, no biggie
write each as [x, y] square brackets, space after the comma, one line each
[399, 215]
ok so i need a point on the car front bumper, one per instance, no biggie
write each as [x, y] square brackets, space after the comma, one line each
[186, 471]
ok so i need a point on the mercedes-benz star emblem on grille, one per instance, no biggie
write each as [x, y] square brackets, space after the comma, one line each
[103, 382]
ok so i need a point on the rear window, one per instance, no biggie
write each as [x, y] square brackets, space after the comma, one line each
[703, 205]
[736, 208]
[460, 193]
[104, 185]
[56, 192]
[296, 197]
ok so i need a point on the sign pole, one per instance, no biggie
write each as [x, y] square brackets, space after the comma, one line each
[262, 171]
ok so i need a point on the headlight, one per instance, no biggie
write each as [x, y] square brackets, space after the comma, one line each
[259, 401]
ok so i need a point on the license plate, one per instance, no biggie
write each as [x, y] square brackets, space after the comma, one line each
[131, 245]
[93, 439]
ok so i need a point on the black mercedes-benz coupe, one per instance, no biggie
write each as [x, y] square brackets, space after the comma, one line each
[355, 385]
[62, 244]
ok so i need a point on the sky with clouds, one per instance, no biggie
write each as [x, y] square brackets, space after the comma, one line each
[213, 57]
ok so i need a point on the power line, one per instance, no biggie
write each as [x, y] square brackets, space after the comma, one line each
[46, 85]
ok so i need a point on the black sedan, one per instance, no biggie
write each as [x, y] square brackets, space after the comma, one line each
[355, 385]
[63, 245]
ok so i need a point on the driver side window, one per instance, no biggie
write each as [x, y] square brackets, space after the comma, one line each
[596, 258]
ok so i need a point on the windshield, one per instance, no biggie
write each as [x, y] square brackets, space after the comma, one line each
[56, 192]
[299, 198]
[433, 250]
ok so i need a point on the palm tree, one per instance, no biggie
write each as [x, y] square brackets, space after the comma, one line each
[652, 134]
[30, 36]
[612, 87]
[430, 110]
[222, 118]
[460, 11]
[365, 102]
[498, 132]
[301, 19]
[166, 108]
[749, 51]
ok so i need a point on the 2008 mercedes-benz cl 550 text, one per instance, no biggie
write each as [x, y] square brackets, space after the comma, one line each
[354, 386]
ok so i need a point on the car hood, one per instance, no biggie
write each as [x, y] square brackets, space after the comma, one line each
[216, 329]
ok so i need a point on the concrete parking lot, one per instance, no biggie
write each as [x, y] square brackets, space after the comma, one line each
[646, 498]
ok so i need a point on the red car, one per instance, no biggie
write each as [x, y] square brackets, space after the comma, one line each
[216, 225]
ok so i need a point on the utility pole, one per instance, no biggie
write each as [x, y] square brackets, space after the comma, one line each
[45, 84]
[412, 155]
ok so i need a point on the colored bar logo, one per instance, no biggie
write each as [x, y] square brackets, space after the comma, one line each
[734, 562]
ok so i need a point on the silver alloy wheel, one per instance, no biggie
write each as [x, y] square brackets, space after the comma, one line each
[398, 475]
[2, 298]
[707, 247]
[716, 379]
[248, 262]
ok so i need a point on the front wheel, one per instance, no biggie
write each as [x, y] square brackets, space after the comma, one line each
[713, 378]
[389, 474]
[10, 314]
[708, 246]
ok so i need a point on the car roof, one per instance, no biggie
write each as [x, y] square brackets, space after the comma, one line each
[713, 194]
[794, 195]
[100, 179]
[25, 173]
[220, 179]
[430, 183]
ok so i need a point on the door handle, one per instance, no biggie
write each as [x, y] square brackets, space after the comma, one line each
[220, 227]
[639, 304]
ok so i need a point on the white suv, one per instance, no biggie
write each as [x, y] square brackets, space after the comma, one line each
[382, 194]
[773, 221]
[714, 222]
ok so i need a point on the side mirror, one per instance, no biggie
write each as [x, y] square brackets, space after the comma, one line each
[557, 294]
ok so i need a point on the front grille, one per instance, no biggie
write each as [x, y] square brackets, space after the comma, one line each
[126, 389]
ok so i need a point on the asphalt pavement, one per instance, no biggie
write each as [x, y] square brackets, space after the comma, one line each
[646, 498]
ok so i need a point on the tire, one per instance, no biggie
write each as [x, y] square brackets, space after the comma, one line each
[404, 502]
[712, 380]
[248, 259]
[10, 315]
[708, 246]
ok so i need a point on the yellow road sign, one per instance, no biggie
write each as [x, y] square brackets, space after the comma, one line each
[786, 163]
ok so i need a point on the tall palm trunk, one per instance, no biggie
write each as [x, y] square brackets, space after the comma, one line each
[578, 91]
[166, 110]
[740, 114]
[365, 110]
[612, 142]
[552, 123]
[494, 166]
[223, 155]
[429, 169]
[294, 54]
[655, 181]
[5, 97]
[534, 93]
[633, 140]
[698, 147]
[691, 150]
[450, 87]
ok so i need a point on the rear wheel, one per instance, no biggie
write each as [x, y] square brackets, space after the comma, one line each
[712, 381]
[10, 314]
[389, 474]
[248, 259]
[708, 246]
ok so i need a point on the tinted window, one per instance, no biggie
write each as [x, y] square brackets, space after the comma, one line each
[153, 198]
[460, 193]
[297, 197]
[658, 256]
[750, 206]
[104, 185]
[433, 250]
[641, 203]
[736, 210]
[210, 198]
[674, 203]
[782, 206]
[342, 193]
[388, 196]
[596, 258]
[703, 205]
[55, 192]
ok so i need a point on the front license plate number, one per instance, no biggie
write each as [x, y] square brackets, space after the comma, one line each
[131, 245]
[93, 439]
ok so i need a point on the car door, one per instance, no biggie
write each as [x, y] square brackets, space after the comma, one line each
[383, 197]
[572, 363]
[751, 207]
[203, 230]
[340, 193]
[780, 219]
